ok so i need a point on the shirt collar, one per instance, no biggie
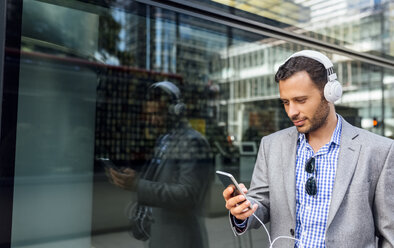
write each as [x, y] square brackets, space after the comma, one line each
[336, 136]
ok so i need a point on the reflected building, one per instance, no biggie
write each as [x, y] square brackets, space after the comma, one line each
[248, 70]
[75, 75]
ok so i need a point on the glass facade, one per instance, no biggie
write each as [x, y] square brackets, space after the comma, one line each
[80, 92]
[361, 25]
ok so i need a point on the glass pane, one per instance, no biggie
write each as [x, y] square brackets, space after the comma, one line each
[386, 120]
[88, 92]
[56, 128]
[363, 26]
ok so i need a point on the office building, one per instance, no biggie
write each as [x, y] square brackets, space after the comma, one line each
[76, 75]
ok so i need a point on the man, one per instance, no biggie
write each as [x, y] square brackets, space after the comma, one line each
[177, 178]
[322, 182]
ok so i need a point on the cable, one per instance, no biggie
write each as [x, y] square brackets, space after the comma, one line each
[266, 230]
[277, 238]
[287, 237]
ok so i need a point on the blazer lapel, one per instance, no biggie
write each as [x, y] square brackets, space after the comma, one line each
[289, 150]
[347, 161]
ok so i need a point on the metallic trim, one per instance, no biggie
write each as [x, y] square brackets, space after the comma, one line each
[3, 20]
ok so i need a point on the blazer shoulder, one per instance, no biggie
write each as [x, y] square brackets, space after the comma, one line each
[281, 135]
[367, 138]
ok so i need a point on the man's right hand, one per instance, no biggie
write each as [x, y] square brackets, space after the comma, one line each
[239, 207]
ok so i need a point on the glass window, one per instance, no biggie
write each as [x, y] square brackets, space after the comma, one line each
[319, 19]
[89, 99]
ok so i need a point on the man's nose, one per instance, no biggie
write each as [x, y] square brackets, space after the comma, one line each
[149, 118]
[292, 110]
[153, 119]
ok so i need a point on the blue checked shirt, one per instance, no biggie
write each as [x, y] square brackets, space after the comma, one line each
[312, 211]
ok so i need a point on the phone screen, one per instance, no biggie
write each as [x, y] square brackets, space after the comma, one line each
[228, 179]
[107, 163]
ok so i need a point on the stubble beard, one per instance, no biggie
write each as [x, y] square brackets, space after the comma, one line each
[318, 119]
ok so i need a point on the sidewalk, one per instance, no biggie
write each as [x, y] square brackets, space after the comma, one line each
[220, 236]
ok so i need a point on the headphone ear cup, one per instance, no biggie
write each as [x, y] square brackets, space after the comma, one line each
[176, 109]
[332, 91]
[179, 108]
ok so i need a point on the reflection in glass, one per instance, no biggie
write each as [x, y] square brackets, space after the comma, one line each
[172, 186]
[363, 26]
[85, 70]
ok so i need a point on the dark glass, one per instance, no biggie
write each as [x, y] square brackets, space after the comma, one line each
[84, 72]
[310, 185]
[310, 165]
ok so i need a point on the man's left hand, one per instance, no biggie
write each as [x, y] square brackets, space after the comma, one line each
[125, 179]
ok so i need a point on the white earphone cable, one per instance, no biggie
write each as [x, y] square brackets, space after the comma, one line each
[266, 230]
[277, 238]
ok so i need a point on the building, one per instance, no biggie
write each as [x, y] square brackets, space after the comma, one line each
[76, 75]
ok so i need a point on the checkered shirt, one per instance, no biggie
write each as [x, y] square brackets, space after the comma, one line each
[312, 211]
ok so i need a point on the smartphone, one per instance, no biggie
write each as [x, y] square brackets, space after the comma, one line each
[228, 179]
[107, 163]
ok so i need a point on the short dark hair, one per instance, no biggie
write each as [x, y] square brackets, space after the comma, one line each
[315, 70]
[159, 95]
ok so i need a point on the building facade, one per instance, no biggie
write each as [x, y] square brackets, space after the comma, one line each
[75, 79]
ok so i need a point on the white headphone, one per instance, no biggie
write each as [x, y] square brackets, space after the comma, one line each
[176, 107]
[332, 89]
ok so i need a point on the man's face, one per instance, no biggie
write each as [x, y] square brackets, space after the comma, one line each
[156, 113]
[303, 102]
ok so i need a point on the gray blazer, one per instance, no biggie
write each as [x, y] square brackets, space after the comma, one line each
[177, 189]
[362, 203]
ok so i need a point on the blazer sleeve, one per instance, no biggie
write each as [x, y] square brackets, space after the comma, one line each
[257, 193]
[184, 178]
[384, 202]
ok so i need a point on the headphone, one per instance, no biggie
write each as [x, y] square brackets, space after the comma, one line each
[332, 89]
[176, 106]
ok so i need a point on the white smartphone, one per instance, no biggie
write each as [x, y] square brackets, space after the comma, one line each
[228, 179]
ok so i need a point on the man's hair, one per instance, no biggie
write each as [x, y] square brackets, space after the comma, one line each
[315, 70]
[159, 95]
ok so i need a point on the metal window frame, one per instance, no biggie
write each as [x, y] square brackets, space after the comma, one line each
[10, 41]
[2, 46]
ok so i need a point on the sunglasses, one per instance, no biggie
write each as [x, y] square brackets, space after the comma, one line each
[310, 185]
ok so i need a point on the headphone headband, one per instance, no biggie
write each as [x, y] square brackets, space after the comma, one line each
[314, 55]
[332, 89]
[176, 107]
[323, 59]
[169, 88]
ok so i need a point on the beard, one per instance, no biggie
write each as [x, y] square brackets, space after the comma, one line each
[317, 120]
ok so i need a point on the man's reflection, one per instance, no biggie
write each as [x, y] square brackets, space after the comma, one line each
[176, 180]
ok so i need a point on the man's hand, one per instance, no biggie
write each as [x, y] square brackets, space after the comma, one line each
[238, 205]
[126, 179]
